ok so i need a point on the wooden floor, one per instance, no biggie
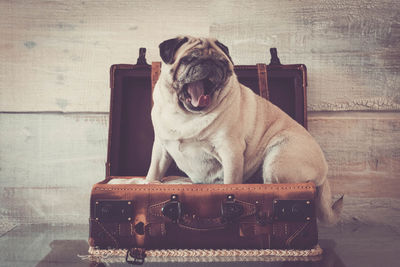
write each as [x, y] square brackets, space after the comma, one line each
[54, 90]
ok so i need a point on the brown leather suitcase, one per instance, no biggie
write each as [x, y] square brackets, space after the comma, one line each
[160, 216]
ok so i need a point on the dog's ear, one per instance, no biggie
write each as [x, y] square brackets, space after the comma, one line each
[168, 48]
[224, 49]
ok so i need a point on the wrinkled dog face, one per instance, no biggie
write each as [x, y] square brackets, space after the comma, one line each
[199, 68]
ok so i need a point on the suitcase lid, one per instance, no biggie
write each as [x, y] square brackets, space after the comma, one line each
[131, 132]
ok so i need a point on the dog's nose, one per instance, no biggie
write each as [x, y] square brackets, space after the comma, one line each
[201, 70]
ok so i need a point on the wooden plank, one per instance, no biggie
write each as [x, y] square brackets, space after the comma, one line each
[41, 150]
[48, 165]
[52, 150]
[351, 49]
[48, 204]
[55, 55]
[50, 161]
[362, 150]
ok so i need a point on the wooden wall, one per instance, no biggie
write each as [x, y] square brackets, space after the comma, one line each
[54, 93]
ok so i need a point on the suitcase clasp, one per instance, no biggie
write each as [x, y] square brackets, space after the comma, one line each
[293, 210]
[172, 209]
[117, 211]
[230, 209]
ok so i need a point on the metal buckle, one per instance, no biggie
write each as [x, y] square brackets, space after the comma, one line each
[172, 209]
[230, 209]
[138, 255]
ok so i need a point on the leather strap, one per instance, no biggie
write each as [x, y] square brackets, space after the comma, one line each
[254, 229]
[197, 223]
[155, 74]
[263, 80]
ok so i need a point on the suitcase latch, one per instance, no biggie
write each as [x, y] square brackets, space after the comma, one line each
[113, 211]
[293, 210]
[262, 217]
[172, 209]
[230, 209]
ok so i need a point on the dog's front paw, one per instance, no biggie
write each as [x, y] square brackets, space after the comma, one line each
[149, 181]
[139, 181]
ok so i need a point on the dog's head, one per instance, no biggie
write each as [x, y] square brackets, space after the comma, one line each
[198, 69]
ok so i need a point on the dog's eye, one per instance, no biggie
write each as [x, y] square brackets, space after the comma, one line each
[186, 60]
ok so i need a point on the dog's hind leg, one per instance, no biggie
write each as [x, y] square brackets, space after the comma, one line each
[293, 160]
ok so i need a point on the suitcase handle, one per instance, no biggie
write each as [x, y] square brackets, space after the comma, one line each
[231, 210]
[203, 224]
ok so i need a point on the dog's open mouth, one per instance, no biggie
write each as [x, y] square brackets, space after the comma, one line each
[197, 95]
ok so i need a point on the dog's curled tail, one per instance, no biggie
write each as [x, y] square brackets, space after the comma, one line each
[327, 213]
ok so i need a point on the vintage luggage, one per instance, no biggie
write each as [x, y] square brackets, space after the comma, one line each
[160, 216]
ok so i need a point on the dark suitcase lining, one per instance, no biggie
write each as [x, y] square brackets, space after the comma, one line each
[131, 137]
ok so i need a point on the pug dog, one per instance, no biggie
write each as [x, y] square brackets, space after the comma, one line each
[218, 131]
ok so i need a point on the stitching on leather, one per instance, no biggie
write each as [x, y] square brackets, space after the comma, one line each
[202, 189]
[107, 232]
[149, 229]
[251, 208]
[160, 227]
[163, 230]
[119, 229]
[157, 208]
[296, 233]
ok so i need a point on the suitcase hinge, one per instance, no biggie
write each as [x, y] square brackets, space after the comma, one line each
[274, 57]
[142, 57]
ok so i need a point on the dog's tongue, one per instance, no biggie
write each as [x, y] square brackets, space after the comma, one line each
[196, 91]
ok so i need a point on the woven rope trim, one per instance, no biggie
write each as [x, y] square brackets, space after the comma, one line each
[208, 255]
